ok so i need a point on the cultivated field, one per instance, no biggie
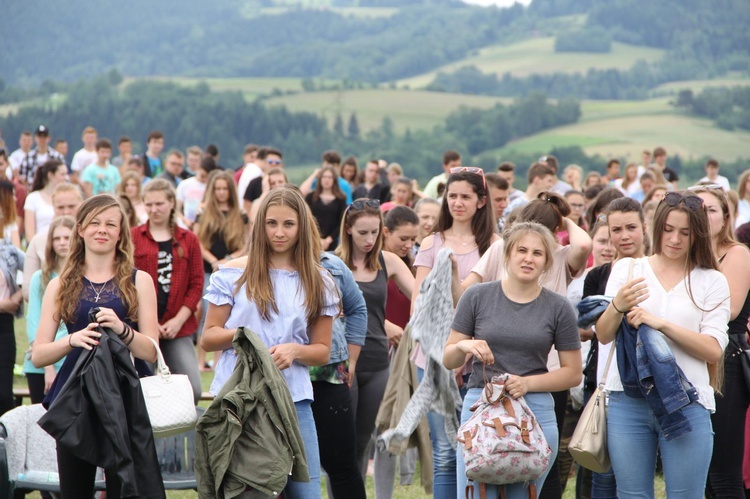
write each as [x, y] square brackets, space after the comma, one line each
[538, 56]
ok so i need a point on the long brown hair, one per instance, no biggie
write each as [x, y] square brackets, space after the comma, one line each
[214, 221]
[335, 189]
[8, 215]
[700, 253]
[256, 278]
[345, 250]
[53, 262]
[71, 277]
[483, 221]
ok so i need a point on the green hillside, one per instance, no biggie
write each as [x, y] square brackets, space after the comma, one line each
[623, 129]
[538, 56]
[407, 109]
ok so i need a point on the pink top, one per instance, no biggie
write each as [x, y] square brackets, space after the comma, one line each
[426, 258]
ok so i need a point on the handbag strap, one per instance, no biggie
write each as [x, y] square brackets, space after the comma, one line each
[161, 365]
[603, 382]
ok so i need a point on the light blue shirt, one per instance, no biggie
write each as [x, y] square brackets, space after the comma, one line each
[289, 325]
[103, 180]
[33, 312]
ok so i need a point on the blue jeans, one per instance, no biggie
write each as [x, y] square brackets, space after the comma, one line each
[311, 489]
[633, 435]
[543, 407]
[443, 455]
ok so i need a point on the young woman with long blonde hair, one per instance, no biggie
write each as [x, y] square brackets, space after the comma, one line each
[98, 272]
[283, 295]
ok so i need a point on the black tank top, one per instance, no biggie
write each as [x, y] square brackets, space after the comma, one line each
[93, 295]
[374, 354]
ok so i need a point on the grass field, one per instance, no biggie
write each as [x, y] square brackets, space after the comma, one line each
[623, 129]
[407, 109]
[538, 56]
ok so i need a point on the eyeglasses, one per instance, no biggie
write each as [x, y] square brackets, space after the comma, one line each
[360, 204]
[694, 203]
[273, 161]
[470, 169]
[708, 187]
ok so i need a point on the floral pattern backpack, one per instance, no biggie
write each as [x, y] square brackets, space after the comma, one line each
[502, 442]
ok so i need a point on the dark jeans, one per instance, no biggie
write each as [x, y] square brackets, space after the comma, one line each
[552, 488]
[77, 477]
[725, 473]
[36, 387]
[7, 361]
[334, 420]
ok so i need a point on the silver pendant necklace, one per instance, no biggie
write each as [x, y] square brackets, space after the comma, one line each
[97, 293]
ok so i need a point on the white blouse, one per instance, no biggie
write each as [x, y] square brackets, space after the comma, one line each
[710, 292]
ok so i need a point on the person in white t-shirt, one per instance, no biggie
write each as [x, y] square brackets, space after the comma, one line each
[38, 208]
[85, 156]
[713, 177]
[16, 157]
[190, 192]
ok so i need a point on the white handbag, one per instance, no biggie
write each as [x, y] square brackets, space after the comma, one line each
[169, 399]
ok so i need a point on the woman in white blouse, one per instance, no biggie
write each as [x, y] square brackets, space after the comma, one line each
[679, 292]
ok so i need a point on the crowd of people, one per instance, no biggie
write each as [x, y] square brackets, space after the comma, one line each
[327, 274]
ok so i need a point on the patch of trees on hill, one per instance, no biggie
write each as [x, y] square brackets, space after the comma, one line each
[592, 39]
[634, 83]
[728, 107]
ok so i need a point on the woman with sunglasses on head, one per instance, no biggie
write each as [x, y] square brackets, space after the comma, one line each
[725, 472]
[679, 303]
[360, 247]
[466, 224]
[624, 220]
[281, 293]
[508, 327]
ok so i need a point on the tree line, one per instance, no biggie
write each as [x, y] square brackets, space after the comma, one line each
[194, 115]
[728, 107]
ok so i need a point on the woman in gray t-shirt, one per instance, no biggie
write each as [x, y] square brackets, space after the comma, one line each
[509, 327]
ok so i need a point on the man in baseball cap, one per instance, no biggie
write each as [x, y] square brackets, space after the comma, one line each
[37, 156]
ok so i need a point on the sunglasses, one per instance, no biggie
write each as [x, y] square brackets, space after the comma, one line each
[360, 204]
[694, 203]
[470, 169]
[708, 187]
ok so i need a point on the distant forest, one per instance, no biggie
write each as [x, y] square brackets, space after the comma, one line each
[77, 39]
[196, 116]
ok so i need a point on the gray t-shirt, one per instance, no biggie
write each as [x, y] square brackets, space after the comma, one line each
[520, 335]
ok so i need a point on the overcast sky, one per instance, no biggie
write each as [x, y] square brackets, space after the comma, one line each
[500, 3]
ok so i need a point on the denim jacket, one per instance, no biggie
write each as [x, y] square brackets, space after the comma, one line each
[647, 369]
[353, 329]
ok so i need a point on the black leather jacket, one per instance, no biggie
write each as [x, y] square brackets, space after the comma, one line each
[100, 416]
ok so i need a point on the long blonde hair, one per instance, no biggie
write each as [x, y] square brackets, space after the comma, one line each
[52, 262]
[71, 277]
[256, 279]
[214, 221]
